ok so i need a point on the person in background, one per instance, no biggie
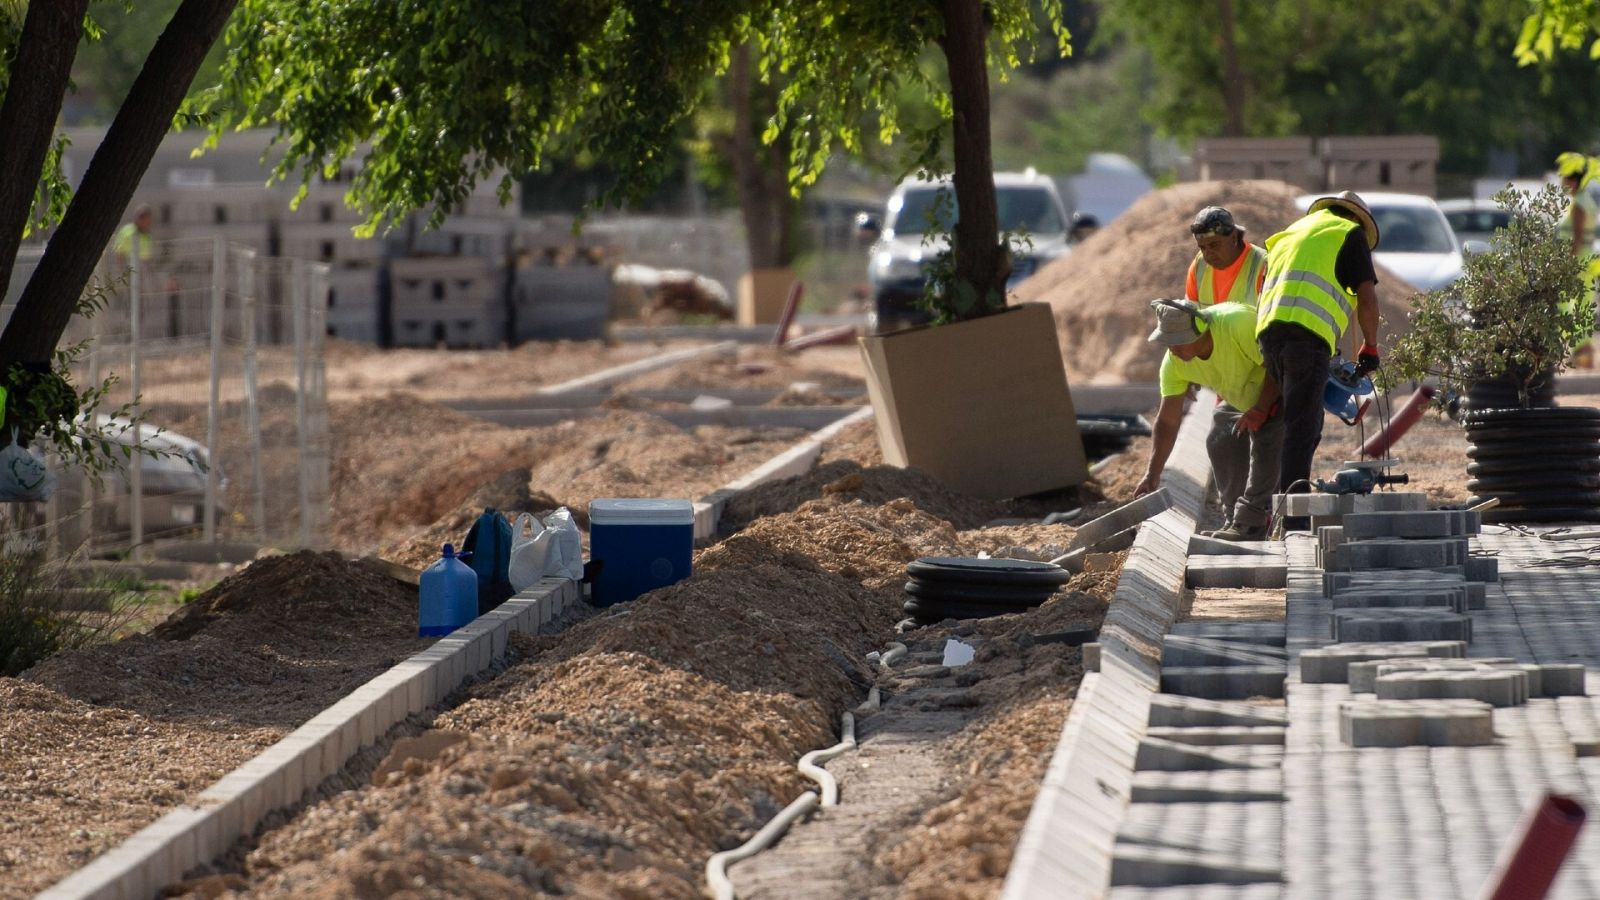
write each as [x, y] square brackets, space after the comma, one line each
[1320, 275]
[1215, 347]
[1083, 225]
[134, 236]
[1228, 269]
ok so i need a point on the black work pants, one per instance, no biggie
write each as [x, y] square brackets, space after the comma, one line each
[1298, 360]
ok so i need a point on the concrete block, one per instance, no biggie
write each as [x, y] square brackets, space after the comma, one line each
[1220, 735]
[1172, 710]
[1398, 553]
[1426, 524]
[1179, 650]
[1224, 682]
[1483, 568]
[1217, 786]
[1496, 687]
[1236, 572]
[1162, 755]
[1562, 680]
[1153, 866]
[1343, 504]
[1122, 518]
[1453, 599]
[1091, 657]
[1363, 676]
[1387, 625]
[1269, 633]
[1204, 546]
[1331, 664]
[1406, 723]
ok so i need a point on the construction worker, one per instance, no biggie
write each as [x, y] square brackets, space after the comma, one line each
[1227, 268]
[1319, 275]
[1215, 347]
[136, 232]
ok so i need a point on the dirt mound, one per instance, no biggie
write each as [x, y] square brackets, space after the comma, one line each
[509, 493]
[877, 484]
[271, 645]
[1102, 290]
[857, 442]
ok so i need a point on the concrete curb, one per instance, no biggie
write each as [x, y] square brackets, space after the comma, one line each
[279, 776]
[797, 460]
[1065, 849]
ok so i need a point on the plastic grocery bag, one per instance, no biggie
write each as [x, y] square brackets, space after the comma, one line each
[24, 478]
[530, 550]
[566, 545]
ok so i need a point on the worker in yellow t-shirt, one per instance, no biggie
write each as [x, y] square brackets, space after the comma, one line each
[136, 232]
[1215, 347]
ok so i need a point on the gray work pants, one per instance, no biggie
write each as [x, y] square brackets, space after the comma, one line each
[1245, 467]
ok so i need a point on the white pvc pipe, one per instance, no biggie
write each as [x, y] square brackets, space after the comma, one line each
[717, 866]
[895, 651]
[811, 763]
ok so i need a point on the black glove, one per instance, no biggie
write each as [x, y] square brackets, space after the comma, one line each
[1367, 360]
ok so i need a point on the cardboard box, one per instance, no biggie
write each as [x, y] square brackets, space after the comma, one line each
[981, 405]
[762, 294]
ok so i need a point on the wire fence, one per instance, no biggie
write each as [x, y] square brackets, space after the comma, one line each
[223, 351]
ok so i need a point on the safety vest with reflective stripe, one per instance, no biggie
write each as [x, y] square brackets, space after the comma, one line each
[1301, 286]
[1244, 286]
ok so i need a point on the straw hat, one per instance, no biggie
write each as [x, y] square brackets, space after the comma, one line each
[1178, 322]
[1353, 204]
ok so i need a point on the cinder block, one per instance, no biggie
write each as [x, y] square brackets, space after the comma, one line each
[1496, 687]
[1235, 572]
[1224, 682]
[1406, 723]
[1331, 664]
[1174, 711]
[1221, 735]
[1387, 625]
[1179, 650]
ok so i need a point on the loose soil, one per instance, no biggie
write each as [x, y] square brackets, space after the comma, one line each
[1101, 291]
[613, 759]
[98, 743]
[757, 367]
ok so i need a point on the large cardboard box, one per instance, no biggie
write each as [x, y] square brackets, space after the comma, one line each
[981, 405]
[762, 293]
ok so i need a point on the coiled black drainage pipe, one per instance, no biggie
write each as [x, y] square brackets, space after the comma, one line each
[959, 587]
[1541, 463]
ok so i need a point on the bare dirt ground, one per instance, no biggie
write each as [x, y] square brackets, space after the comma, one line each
[758, 367]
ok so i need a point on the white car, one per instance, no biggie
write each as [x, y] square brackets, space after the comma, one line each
[1474, 221]
[1416, 241]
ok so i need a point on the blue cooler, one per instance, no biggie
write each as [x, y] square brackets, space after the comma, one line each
[641, 545]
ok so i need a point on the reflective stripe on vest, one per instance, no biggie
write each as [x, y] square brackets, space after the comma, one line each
[1301, 286]
[1243, 289]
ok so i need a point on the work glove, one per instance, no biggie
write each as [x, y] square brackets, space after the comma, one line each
[1250, 420]
[1367, 360]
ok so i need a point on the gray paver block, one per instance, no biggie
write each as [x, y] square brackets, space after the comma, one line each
[1236, 572]
[1331, 664]
[1344, 504]
[1146, 866]
[1204, 546]
[1496, 687]
[1425, 524]
[1399, 625]
[1562, 680]
[1483, 568]
[1181, 650]
[1364, 675]
[1396, 553]
[1401, 580]
[1122, 518]
[1406, 723]
[1269, 633]
[1091, 657]
[1220, 735]
[1172, 710]
[1224, 682]
[1162, 755]
[1220, 785]
[1452, 599]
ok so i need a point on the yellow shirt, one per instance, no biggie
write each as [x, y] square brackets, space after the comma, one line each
[1233, 369]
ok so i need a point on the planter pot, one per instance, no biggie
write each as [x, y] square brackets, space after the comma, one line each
[1540, 463]
[762, 293]
[1502, 392]
[981, 405]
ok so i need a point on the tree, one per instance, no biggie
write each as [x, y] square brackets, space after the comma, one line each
[39, 55]
[437, 97]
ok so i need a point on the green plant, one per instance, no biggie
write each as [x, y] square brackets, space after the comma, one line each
[1517, 310]
[36, 617]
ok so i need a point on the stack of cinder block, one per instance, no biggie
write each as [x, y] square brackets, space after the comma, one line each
[1402, 586]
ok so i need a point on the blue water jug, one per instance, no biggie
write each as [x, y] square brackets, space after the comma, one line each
[449, 590]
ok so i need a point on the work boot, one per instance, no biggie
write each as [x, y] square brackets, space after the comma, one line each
[1241, 533]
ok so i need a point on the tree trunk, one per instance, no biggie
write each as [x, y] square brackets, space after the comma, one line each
[1232, 75]
[760, 172]
[39, 76]
[48, 302]
[981, 261]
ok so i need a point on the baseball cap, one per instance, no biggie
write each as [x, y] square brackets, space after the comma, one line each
[1214, 220]
[1178, 322]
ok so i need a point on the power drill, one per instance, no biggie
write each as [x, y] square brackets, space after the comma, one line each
[1357, 481]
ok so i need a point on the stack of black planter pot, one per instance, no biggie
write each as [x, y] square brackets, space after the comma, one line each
[951, 587]
[1505, 392]
[1541, 463]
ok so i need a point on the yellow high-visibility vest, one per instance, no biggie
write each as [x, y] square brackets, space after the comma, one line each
[1244, 286]
[1301, 285]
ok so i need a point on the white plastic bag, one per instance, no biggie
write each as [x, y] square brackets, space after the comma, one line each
[24, 478]
[530, 551]
[566, 548]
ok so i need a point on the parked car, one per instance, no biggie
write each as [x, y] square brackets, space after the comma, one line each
[1416, 242]
[901, 254]
[173, 484]
[1473, 220]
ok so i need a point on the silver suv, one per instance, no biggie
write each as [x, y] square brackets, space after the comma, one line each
[900, 255]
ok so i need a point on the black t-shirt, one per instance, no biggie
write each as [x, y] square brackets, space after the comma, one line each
[1354, 265]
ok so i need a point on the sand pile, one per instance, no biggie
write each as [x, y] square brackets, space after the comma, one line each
[508, 493]
[1102, 290]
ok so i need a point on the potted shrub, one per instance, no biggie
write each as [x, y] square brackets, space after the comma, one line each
[1494, 339]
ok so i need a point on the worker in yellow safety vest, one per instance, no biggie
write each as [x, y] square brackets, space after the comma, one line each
[1320, 275]
[136, 232]
[1228, 269]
